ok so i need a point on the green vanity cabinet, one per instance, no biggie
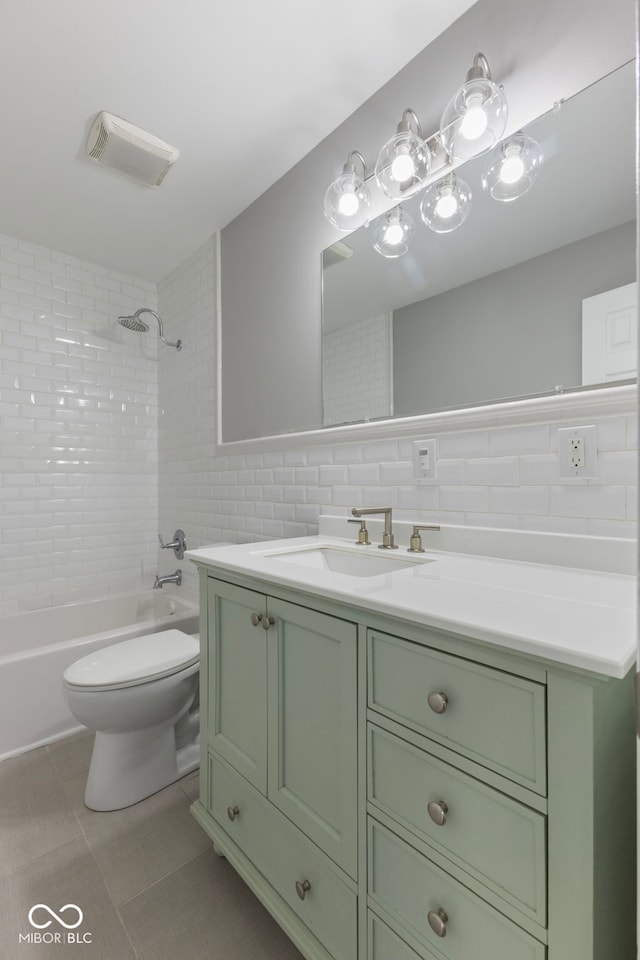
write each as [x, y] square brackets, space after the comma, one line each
[280, 771]
[391, 791]
[237, 718]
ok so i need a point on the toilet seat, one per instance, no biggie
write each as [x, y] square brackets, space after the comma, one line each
[133, 662]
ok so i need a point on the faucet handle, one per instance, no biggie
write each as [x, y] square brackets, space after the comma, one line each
[363, 533]
[415, 541]
[178, 544]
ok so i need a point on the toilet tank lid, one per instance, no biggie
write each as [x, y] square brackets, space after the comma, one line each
[153, 655]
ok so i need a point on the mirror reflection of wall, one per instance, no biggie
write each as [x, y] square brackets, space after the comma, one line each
[357, 371]
[494, 309]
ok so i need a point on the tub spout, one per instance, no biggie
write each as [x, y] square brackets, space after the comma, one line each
[176, 578]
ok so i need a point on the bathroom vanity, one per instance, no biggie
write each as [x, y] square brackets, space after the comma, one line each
[421, 756]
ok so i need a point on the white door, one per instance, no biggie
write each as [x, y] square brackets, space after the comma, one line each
[610, 335]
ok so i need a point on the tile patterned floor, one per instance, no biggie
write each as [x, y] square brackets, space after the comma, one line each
[146, 878]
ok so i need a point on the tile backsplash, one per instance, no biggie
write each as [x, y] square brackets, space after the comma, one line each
[497, 474]
[108, 436]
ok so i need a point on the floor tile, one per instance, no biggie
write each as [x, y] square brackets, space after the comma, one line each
[67, 875]
[204, 910]
[191, 785]
[35, 813]
[139, 845]
[72, 756]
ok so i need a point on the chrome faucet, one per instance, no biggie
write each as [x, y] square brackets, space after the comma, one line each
[387, 536]
[176, 578]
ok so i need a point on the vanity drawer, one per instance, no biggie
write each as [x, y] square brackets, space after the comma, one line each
[287, 860]
[416, 893]
[500, 842]
[384, 944]
[494, 718]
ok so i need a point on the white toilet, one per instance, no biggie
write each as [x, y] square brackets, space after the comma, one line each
[140, 696]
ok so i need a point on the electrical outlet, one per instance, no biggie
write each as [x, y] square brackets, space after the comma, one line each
[424, 459]
[577, 452]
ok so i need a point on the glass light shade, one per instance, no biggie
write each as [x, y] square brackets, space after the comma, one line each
[402, 165]
[512, 168]
[393, 233]
[445, 205]
[347, 203]
[474, 119]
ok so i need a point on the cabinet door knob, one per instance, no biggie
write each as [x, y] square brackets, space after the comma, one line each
[256, 618]
[302, 888]
[233, 812]
[438, 921]
[438, 701]
[267, 622]
[438, 810]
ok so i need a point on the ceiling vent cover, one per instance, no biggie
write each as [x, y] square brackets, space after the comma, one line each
[117, 143]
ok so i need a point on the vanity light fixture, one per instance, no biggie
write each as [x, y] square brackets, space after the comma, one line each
[405, 160]
[393, 233]
[512, 168]
[445, 205]
[347, 203]
[475, 118]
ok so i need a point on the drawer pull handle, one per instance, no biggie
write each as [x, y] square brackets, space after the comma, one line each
[438, 810]
[438, 920]
[438, 701]
[267, 622]
[233, 812]
[256, 618]
[302, 888]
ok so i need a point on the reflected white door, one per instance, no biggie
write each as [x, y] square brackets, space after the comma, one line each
[610, 335]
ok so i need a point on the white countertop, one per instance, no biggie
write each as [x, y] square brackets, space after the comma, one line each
[578, 617]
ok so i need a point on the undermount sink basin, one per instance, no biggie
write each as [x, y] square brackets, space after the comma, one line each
[345, 561]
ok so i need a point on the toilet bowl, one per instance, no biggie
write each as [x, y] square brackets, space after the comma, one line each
[140, 696]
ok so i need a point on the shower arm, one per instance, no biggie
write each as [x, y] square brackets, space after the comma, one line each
[177, 344]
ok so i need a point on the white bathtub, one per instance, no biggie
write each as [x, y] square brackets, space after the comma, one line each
[36, 648]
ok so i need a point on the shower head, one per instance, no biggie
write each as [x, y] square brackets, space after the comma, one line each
[139, 326]
[134, 323]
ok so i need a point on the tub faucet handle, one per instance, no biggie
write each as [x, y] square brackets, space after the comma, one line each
[178, 544]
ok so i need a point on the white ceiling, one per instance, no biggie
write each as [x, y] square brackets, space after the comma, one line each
[243, 89]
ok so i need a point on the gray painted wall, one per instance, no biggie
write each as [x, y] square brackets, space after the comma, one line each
[491, 338]
[270, 254]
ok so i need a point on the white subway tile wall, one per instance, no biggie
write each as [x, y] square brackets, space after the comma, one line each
[356, 373]
[92, 415]
[78, 430]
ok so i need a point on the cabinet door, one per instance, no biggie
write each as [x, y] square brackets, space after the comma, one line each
[313, 726]
[238, 680]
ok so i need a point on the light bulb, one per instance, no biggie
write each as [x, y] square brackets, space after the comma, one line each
[475, 121]
[348, 204]
[446, 205]
[393, 234]
[402, 168]
[475, 118]
[511, 170]
[404, 162]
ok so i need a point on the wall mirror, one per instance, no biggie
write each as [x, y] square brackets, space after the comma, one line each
[492, 310]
